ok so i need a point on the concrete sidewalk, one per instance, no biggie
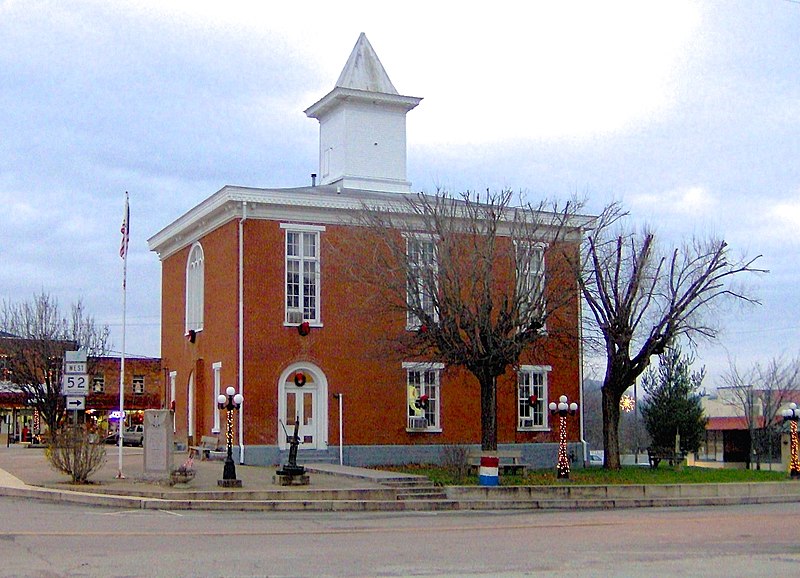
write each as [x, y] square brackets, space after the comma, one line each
[24, 472]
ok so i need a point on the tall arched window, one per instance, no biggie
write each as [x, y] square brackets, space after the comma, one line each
[194, 289]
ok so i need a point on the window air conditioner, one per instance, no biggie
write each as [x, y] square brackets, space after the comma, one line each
[417, 423]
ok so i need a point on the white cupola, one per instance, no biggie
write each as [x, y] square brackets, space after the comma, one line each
[362, 127]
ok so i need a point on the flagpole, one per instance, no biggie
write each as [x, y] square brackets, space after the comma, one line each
[123, 252]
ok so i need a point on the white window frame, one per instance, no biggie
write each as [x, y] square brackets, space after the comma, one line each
[295, 315]
[432, 415]
[195, 288]
[527, 279]
[5, 371]
[173, 378]
[217, 369]
[417, 294]
[98, 380]
[137, 380]
[524, 411]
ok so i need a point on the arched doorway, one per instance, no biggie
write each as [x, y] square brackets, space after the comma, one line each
[303, 397]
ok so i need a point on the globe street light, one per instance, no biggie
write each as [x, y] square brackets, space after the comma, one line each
[792, 414]
[562, 409]
[230, 402]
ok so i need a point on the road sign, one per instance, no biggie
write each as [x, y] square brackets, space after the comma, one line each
[75, 384]
[75, 362]
[74, 403]
[75, 367]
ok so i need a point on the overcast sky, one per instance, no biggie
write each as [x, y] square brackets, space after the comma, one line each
[687, 112]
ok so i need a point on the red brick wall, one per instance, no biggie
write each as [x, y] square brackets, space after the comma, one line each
[348, 348]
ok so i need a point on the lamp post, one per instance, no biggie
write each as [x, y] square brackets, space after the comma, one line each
[229, 402]
[562, 409]
[792, 414]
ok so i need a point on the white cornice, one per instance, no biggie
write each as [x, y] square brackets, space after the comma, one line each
[322, 205]
[344, 95]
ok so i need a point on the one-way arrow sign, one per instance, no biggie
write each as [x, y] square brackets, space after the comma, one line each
[76, 403]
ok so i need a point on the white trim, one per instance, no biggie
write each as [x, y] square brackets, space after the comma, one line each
[240, 369]
[173, 377]
[412, 321]
[320, 204]
[302, 227]
[194, 295]
[301, 259]
[422, 366]
[320, 403]
[217, 369]
[190, 407]
[543, 370]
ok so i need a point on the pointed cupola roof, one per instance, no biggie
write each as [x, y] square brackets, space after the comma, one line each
[363, 76]
[364, 70]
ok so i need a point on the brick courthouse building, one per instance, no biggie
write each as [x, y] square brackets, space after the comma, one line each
[251, 298]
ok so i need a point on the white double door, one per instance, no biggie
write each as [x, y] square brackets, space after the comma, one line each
[306, 405]
[300, 407]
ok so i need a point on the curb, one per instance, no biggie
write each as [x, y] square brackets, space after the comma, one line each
[377, 505]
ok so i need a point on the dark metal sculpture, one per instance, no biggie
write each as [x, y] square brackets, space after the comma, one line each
[292, 469]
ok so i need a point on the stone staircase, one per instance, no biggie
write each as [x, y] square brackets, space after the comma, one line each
[415, 488]
[311, 457]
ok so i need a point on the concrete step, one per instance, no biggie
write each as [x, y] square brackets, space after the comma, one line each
[422, 494]
[310, 457]
[409, 483]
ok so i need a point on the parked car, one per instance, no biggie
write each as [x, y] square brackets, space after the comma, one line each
[132, 436]
[595, 459]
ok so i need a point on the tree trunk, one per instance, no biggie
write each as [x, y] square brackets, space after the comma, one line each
[611, 428]
[488, 385]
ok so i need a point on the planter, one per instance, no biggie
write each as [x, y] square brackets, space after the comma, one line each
[181, 476]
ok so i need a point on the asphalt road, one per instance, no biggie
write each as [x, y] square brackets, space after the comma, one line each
[48, 540]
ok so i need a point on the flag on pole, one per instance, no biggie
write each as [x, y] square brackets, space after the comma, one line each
[125, 229]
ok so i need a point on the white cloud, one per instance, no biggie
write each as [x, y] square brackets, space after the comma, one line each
[686, 201]
[573, 69]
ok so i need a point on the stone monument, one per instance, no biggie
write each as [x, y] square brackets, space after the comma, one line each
[157, 444]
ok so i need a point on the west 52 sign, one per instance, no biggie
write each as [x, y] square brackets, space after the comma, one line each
[75, 384]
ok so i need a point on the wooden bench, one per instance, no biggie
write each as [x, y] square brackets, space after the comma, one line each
[209, 446]
[656, 455]
[510, 461]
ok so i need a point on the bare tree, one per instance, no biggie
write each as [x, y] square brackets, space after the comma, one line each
[642, 299]
[34, 354]
[758, 393]
[467, 276]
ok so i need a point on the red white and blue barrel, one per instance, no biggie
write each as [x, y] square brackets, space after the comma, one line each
[488, 474]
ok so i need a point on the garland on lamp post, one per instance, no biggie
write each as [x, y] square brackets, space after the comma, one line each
[792, 414]
[562, 409]
[230, 402]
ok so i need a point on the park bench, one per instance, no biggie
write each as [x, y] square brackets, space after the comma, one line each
[510, 461]
[656, 455]
[209, 447]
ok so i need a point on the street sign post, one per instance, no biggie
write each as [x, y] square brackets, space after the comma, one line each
[73, 385]
[75, 381]
[76, 403]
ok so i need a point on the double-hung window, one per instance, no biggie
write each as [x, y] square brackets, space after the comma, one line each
[421, 280]
[138, 384]
[302, 274]
[98, 383]
[532, 397]
[423, 396]
[530, 282]
[195, 279]
[5, 368]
